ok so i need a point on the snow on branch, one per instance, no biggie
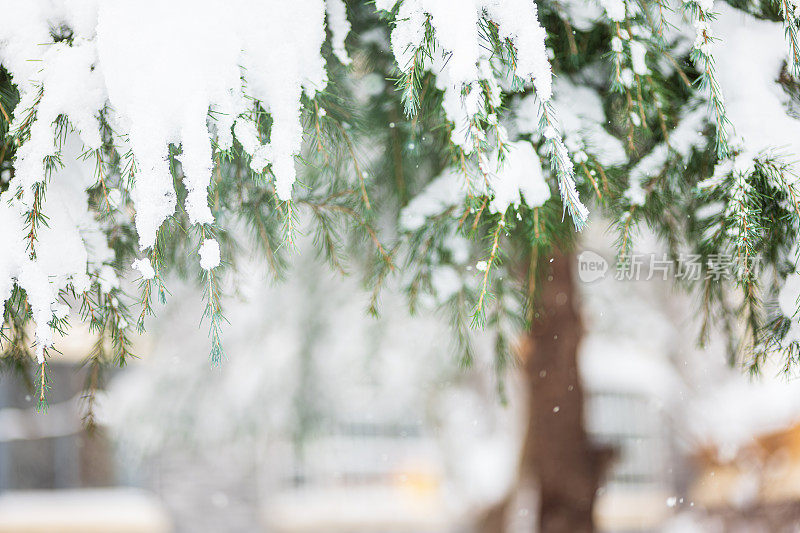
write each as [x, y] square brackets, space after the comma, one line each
[144, 76]
[475, 47]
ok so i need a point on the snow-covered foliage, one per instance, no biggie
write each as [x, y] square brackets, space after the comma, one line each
[128, 127]
[144, 76]
[70, 249]
[449, 38]
[157, 69]
[517, 179]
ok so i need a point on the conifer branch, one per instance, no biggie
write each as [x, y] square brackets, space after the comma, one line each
[478, 315]
[702, 56]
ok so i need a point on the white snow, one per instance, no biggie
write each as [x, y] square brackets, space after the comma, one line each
[162, 78]
[580, 111]
[339, 27]
[687, 135]
[789, 302]
[380, 371]
[737, 410]
[461, 60]
[626, 365]
[519, 178]
[583, 15]
[615, 9]
[69, 248]
[385, 5]
[156, 71]
[789, 294]
[99, 509]
[748, 56]
[757, 48]
[638, 53]
[446, 281]
[749, 61]
[161, 72]
[518, 21]
[209, 254]
[444, 191]
[144, 267]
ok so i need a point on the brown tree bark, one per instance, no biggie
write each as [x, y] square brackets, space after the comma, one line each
[566, 465]
[557, 455]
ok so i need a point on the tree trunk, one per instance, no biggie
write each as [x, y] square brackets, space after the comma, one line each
[557, 455]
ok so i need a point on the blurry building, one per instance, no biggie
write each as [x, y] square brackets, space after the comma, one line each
[358, 475]
[54, 475]
[627, 391]
[49, 450]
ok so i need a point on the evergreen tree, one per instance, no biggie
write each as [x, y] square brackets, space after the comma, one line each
[459, 145]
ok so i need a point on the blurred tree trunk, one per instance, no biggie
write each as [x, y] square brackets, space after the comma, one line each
[566, 465]
[557, 455]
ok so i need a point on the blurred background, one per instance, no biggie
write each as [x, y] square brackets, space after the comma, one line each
[324, 419]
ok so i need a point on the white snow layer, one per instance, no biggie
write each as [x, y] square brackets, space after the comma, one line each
[144, 267]
[757, 106]
[70, 248]
[615, 9]
[738, 410]
[687, 135]
[209, 254]
[756, 103]
[162, 71]
[517, 179]
[186, 72]
[582, 119]
[182, 72]
[461, 60]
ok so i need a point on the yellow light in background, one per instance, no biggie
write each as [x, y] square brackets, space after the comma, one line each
[420, 482]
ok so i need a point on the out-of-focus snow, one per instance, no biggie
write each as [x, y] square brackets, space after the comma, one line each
[686, 136]
[582, 120]
[641, 338]
[630, 335]
[625, 366]
[302, 356]
[756, 103]
[739, 409]
[86, 510]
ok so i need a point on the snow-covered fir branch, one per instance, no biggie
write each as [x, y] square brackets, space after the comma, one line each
[146, 140]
